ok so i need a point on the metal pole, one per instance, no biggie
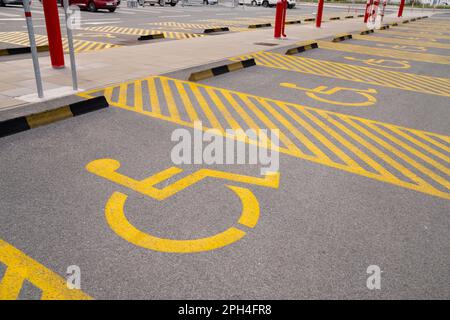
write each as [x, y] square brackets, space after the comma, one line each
[73, 66]
[34, 56]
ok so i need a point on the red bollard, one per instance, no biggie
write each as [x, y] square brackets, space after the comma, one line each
[280, 19]
[400, 8]
[367, 13]
[319, 14]
[53, 33]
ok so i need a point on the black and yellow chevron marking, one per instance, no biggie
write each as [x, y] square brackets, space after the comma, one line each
[398, 41]
[367, 31]
[21, 38]
[293, 22]
[221, 29]
[302, 48]
[151, 36]
[260, 25]
[24, 123]
[342, 37]
[344, 71]
[401, 156]
[144, 32]
[309, 19]
[20, 50]
[335, 18]
[209, 73]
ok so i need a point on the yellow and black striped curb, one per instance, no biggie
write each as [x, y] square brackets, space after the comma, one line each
[349, 17]
[20, 50]
[303, 48]
[259, 25]
[384, 27]
[413, 19]
[309, 19]
[394, 24]
[151, 36]
[342, 37]
[293, 22]
[209, 73]
[32, 121]
[367, 31]
[335, 18]
[405, 21]
[360, 15]
[211, 30]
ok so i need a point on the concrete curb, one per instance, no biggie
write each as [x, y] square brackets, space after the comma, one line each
[309, 19]
[367, 31]
[20, 50]
[310, 46]
[32, 121]
[342, 37]
[335, 18]
[386, 26]
[349, 17]
[211, 30]
[293, 22]
[209, 73]
[151, 37]
[259, 25]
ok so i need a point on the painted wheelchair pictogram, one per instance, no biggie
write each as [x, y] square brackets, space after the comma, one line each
[319, 93]
[116, 218]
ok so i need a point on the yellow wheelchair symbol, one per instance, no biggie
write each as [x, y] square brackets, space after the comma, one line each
[406, 48]
[323, 90]
[385, 63]
[115, 215]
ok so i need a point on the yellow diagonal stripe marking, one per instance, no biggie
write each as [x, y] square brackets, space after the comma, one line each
[390, 156]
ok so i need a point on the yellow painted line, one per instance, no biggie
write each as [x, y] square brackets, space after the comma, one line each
[142, 32]
[382, 52]
[415, 34]
[343, 71]
[20, 267]
[402, 41]
[21, 38]
[390, 155]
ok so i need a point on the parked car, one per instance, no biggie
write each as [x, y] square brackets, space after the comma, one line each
[250, 2]
[273, 3]
[94, 5]
[173, 3]
[210, 2]
[5, 2]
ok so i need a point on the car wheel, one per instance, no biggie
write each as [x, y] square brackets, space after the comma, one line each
[173, 4]
[161, 3]
[92, 7]
[265, 4]
[254, 3]
[290, 6]
[112, 9]
[2, 4]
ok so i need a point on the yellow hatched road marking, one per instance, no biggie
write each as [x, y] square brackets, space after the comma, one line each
[183, 25]
[21, 38]
[403, 41]
[405, 157]
[382, 52]
[420, 29]
[384, 78]
[415, 34]
[143, 32]
[20, 267]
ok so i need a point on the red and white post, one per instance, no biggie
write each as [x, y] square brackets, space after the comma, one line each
[367, 12]
[53, 33]
[319, 14]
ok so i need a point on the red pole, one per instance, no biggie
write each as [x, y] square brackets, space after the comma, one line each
[400, 8]
[279, 19]
[283, 23]
[319, 14]
[53, 33]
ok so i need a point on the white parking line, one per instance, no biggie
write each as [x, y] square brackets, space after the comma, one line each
[180, 16]
[8, 14]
